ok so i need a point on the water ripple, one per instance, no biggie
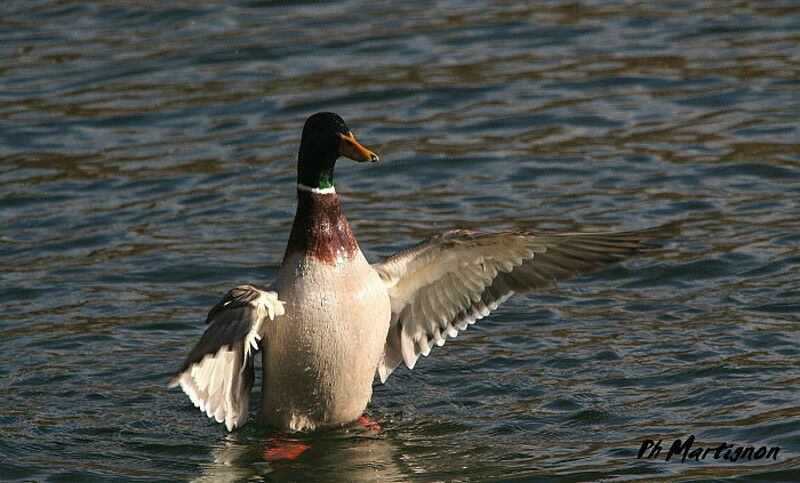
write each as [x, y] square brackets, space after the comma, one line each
[148, 165]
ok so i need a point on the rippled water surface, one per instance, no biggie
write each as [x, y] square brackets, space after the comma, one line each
[147, 156]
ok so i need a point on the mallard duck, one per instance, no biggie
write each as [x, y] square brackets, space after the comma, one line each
[332, 321]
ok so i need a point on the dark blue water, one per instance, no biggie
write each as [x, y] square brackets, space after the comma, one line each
[147, 165]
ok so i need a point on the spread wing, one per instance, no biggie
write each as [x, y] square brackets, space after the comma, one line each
[447, 282]
[218, 373]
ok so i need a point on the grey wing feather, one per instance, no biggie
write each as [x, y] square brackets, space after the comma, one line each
[447, 282]
[218, 373]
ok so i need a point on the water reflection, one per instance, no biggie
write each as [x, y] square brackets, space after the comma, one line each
[343, 455]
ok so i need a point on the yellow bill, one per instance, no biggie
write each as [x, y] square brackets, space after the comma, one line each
[348, 146]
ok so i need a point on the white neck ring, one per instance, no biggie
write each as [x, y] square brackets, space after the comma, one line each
[319, 191]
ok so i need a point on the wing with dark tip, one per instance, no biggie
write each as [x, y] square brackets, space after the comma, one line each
[447, 282]
[218, 373]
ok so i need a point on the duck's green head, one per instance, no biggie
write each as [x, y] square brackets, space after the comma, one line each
[325, 138]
